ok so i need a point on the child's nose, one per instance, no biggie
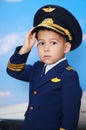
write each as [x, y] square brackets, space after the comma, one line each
[46, 47]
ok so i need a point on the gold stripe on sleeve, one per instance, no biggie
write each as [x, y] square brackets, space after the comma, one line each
[15, 67]
[62, 129]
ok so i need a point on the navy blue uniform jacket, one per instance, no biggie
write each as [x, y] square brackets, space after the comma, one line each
[54, 100]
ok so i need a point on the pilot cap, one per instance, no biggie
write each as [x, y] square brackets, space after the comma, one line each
[60, 20]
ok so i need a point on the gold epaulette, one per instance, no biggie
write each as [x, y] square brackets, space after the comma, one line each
[15, 67]
[69, 68]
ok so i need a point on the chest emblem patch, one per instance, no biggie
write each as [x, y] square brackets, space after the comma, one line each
[56, 79]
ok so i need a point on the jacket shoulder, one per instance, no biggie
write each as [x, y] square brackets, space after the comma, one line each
[69, 71]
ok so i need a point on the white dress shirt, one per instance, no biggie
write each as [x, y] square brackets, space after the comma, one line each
[48, 67]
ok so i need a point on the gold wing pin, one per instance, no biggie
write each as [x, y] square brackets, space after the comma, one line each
[56, 79]
[49, 9]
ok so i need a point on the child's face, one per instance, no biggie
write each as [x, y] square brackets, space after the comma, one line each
[51, 46]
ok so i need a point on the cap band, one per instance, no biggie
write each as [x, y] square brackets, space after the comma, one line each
[48, 22]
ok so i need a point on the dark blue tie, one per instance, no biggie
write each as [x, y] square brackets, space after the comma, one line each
[43, 71]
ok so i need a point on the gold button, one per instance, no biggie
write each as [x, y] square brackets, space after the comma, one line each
[31, 108]
[35, 92]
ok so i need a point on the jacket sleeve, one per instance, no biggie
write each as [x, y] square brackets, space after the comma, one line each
[71, 100]
[17, 67]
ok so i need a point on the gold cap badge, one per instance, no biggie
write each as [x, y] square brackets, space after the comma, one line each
[49, 9]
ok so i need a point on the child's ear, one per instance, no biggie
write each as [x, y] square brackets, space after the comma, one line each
[67, 47]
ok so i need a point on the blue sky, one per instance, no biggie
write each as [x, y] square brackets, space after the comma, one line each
[16, 18]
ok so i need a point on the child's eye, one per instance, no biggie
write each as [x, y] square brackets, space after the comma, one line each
[53, 43]
[40, 43]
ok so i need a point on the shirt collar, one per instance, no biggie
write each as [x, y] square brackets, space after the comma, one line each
[48, 67]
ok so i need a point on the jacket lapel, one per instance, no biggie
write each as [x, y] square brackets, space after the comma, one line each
[51, 73]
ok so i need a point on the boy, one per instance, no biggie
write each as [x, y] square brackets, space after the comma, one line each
[55, 97]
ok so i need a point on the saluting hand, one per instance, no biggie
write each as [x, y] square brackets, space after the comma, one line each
[28, 43]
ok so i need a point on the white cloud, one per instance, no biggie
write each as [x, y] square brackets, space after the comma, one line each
[8, 42]
[84, 37]
[13, 0]
[83, 23]
[5, 94]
